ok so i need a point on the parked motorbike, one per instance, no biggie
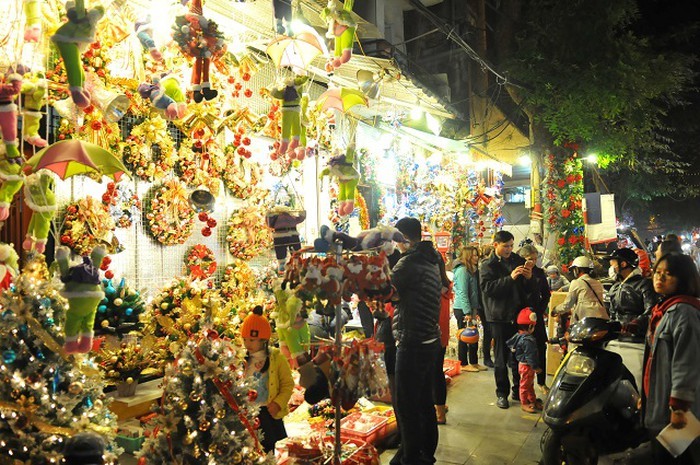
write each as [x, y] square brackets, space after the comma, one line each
[593, 405]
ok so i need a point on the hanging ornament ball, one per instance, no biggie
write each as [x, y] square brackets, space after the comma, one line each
[195, 396]
[50, 321]
[75, 388]
[114, 359]
[237, 457]
[211, 222]
[118, 302]
[9, 356]
[99, 404]
[221, 413]
[104, 323]
[183, 405]
[206, 232]
[164, 305]
[129, 311]
[40, 355]
[45, 302]
[187, 440]
[204, 425]
[142, 461]
[129, 380]
[109, 274]
[7, 314]
[256, 423]
[203, 216]
[102, 308]
[252, 395]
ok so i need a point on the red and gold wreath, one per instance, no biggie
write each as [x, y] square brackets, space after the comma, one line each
[170, 217]
[201, 166]
[241, 177]
[148, 152]
[239, 281]
[200, 262]
[87, 223]
[248, 235]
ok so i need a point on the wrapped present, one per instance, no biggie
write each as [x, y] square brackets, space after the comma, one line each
[363, 426]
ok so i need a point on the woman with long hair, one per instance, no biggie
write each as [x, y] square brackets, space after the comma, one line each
[671, 383]
[467, 304]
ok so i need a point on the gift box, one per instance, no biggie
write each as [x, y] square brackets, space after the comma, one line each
[130, 444]
[451, 367]
[364, 427]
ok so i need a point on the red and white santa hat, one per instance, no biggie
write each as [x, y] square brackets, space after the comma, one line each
[527, 316]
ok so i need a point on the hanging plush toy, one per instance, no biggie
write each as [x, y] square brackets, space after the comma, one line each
[283, 16]
[283, 222]
[144, 32]
[70, 38]
[83, 291]
[304, 122]
[34, 89]
[199, 38]
[10, 169]
[32, 17]
[9, 265]
[341, 28]
[290, 96]
[342, 168]
[39, 196]
[380, 236]
[291, 325]
[166, 95]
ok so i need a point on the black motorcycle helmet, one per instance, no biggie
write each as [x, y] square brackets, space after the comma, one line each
[625, 255]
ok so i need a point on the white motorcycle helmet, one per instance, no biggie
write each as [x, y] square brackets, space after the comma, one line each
[582, 262]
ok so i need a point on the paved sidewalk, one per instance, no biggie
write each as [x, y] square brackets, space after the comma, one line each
[479, 433]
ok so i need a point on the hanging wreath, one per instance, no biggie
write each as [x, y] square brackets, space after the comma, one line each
[241, 177]
[200, 262]
[87, 223]
[200, 166]
[170, 217]
[239, 281]
[148, 152]
[248, 236]
[123, 204]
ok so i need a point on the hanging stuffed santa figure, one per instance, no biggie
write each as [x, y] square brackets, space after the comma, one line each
[199, 38]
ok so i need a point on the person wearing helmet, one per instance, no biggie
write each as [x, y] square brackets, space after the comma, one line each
[555, 280]
[632, 295]
[585, 297]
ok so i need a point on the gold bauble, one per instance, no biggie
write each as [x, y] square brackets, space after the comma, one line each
[98, 404]
[204, 425]
[212, 448]
[186, 370]
[221, 413]
[187, 326]
[183, 405]
[129, 380]
[75, 388]
[113, 359]
[104, 323]
[195, 396]
[164, 305]
[118, 302]
[196, 451]
[187, 440]
[237, 457]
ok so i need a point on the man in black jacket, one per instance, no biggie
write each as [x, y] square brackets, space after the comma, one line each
[506, 287]
[417, 279]
[632, 296]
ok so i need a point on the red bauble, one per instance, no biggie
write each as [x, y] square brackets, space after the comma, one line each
[248, 93]
[231, 80]
[109, 274]
[246, 76]
[246, 141]
[206, 232]
[561, 241]
[252, 395]
[211, 222]
[203, 216]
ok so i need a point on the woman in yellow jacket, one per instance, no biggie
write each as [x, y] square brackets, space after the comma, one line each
[273, 377]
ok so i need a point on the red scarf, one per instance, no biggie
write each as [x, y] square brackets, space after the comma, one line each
[657, 313]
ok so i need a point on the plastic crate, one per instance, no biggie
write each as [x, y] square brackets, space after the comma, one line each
[130, 445]
[451, 367]
[364, 427]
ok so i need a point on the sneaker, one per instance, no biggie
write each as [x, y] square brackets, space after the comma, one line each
[471, 368]
[488, 363]
[502, 402]
[528, 408]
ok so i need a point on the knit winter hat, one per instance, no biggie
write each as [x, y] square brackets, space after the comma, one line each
[527, 316]
[84, 449]
[256, 325]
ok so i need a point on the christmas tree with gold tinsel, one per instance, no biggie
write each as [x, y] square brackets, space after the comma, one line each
[45, 394]
[206, 416]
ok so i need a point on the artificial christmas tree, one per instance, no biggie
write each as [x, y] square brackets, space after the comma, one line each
[45, 394]
[205, 415]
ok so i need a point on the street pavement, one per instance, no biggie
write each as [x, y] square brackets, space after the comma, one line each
[479, 433]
